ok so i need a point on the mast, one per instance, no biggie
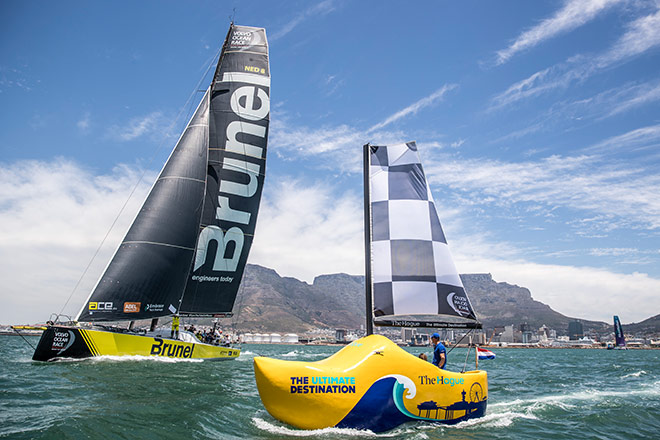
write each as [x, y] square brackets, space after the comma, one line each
[367, 243]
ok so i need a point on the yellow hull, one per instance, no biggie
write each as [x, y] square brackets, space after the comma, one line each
[75, 342]
[370, 384]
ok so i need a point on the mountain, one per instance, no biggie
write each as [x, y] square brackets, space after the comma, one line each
[499, 304]
[268, 302]
[648, 326]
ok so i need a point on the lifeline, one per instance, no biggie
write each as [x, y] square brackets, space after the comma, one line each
[322, 389]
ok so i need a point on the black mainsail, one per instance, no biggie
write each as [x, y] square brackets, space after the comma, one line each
[187, 248]
[411, 276]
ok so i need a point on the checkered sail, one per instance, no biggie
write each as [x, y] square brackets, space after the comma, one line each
[412, 270]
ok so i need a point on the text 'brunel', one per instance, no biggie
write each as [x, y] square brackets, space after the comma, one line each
[249, 111]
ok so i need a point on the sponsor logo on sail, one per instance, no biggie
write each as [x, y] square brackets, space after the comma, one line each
[250, 103]
[459, 303]
[154, 307]
[203, 278]
[101, 306]
[255, 69]
[132, 307]
[241, 38]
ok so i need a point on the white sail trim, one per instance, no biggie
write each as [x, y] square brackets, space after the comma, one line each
[250, 78]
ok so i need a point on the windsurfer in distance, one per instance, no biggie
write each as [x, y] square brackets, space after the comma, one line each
[439, 352]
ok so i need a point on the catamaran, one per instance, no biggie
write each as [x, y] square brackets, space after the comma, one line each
[411, 281]
[185, 252]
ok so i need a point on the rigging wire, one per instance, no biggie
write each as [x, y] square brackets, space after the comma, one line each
[151, 160]
[28, 342]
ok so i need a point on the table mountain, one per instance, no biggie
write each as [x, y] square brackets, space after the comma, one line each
[268, 302]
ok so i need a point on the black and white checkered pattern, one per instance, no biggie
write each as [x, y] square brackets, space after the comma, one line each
[413, 271]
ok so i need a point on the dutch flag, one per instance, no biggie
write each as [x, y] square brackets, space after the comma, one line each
[485, 354]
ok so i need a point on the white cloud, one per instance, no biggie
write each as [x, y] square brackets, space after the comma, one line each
[154, 124]
[581, 292]
[342, 144]
[641, 36]
[306, 230]
[640, 137]
[620, 195]
[84, 123]
[412, 109]
[574, 14]
[321, 8]
[634, 97]
[53, 216]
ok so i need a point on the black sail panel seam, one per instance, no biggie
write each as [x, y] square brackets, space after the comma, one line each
[159, 244]
[181, 178]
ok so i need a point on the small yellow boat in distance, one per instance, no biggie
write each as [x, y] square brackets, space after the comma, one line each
[370, 384]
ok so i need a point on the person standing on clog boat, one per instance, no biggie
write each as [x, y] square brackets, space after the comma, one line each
[439, 352]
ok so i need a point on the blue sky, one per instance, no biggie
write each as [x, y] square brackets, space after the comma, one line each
[538, 124]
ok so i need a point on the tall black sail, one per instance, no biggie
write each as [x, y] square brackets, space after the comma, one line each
[238, 130]
[413, 277]
[149, 270]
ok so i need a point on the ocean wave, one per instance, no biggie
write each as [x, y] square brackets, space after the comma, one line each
[293, 353]
[326, 432]
[495, 420]
[134, 358]
[408, 431]
[637, 374]
[575, 399]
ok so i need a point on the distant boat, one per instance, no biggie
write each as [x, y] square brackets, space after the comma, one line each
[372, 383]
[619, 338]
[185, 253]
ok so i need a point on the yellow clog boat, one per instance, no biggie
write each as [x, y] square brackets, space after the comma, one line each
[370, 384]
[410, 281]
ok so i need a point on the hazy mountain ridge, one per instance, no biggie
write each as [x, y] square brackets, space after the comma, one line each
[268, 302]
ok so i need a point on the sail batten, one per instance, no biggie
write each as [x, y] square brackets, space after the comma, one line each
[412, 271]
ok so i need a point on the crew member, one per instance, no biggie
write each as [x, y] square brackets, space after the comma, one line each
[439, 352]
[175, 327]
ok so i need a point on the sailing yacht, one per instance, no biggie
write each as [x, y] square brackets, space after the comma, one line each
[185, 252]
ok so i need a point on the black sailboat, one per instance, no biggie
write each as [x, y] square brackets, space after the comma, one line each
[185, 253]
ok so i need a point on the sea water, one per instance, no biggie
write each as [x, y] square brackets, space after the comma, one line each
[533, 394]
